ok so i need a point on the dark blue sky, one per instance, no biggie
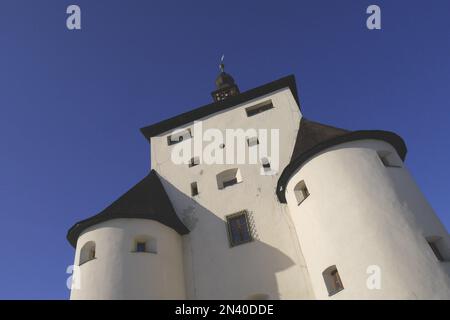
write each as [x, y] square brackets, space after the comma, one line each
[72, 102]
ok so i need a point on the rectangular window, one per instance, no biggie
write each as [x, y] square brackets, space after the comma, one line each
[258, 108]
[194, 189]
[179, 137]
[238, 228]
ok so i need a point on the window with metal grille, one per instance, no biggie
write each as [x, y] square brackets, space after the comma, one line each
[238, 228]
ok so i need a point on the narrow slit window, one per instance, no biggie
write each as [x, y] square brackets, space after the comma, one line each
[258, 108]
[332, 280]
[194, 189]
[238, 228]
[301, 192]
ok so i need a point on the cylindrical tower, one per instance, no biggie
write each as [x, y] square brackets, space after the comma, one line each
[132, 249]
[365, 229]
[129, 259]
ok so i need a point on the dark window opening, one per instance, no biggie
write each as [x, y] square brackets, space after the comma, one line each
[239, 229]
[438, 247]
[332, 280]
[179, 137]
[229, 183]
[194, 189]
[141, 247]
[258, 108]
[301, 192]
[194, 162]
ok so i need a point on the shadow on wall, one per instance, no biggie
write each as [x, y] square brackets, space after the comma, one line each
[215, 270]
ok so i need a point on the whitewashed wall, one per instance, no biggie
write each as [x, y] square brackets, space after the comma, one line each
[272, 264]
[119, 273]
[360, 213]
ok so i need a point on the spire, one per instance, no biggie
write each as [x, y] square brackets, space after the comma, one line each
[225, 85]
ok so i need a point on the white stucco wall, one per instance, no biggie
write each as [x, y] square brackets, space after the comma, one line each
[272, 264]
[360, 213]
[119, 273]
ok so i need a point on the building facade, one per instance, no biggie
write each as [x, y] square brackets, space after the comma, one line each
[312, 212]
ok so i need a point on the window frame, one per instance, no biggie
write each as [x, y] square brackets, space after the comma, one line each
[237, 215]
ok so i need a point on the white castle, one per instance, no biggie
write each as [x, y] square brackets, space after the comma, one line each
[342, 218]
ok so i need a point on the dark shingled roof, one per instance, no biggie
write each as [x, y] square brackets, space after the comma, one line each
[187, 117]
[311, 133]
[313, 137]
[146, 200]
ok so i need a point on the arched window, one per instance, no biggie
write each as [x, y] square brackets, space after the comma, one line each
[87, 252]
[301, 192]
[228, 178]
[332, 280]
[144, 243]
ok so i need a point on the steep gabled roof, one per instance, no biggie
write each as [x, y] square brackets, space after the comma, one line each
[146, 200]
[190, 116]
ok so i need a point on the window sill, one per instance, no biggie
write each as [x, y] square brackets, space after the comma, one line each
[144, 252]
[241, 243]
[87, 261]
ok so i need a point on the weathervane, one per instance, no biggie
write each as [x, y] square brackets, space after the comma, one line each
[222, 65]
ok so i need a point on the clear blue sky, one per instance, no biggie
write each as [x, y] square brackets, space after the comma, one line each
[72, 102]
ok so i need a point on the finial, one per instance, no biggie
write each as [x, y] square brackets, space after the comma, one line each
[222, 65]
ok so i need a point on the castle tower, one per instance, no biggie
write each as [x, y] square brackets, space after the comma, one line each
[365, 229]
[313, 211]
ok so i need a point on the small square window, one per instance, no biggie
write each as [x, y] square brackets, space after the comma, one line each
[141, 246]
[253, 141]
[194, 189]
[238, 229]
[194, 162]
[301, 192]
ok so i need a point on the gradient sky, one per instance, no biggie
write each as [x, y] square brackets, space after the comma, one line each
[72, 102]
